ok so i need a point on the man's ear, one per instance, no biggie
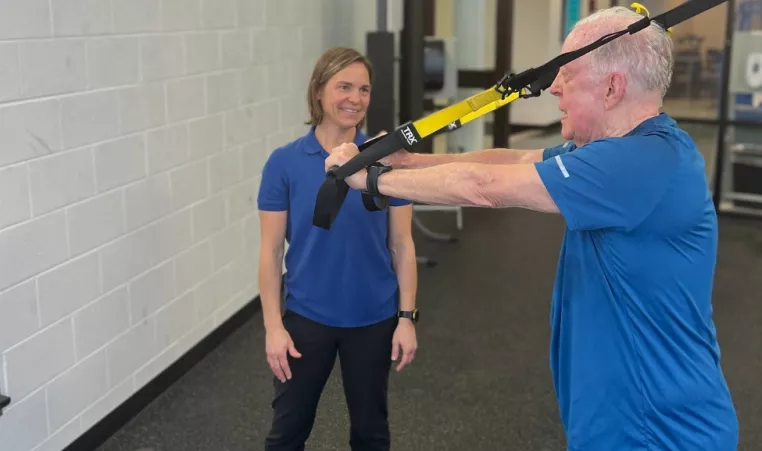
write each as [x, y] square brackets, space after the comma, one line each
[615, 89]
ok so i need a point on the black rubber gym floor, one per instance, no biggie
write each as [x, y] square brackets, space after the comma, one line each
[481, 379]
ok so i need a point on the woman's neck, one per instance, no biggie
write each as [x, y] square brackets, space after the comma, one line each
[330, 136]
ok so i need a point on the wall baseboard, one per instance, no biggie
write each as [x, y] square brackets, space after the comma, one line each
[4, 402]
[116, 419]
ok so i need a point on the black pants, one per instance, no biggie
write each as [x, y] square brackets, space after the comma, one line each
[365, 357]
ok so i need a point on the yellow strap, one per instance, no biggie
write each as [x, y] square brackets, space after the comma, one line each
[472, 107]
[489, 108]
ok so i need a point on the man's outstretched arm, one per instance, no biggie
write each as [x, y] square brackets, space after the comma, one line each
[407, 160]
[471, 184]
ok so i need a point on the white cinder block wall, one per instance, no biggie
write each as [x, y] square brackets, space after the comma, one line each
[132, 136]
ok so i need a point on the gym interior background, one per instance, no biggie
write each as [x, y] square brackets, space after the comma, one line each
[133, 134]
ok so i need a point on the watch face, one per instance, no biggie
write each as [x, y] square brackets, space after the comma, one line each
[415, 315]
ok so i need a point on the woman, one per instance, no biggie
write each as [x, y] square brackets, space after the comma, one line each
[349, 291]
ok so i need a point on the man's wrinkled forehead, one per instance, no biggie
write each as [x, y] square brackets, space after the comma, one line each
[583, 35]
[577, 38]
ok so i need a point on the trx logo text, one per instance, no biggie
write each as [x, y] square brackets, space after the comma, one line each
[409, 136]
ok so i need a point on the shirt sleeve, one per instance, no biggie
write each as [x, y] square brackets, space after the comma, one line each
[273, 187]
[610, 183]
[397, 202]
[551, 152]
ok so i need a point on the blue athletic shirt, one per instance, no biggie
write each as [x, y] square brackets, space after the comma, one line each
[634, 353]
[339, 277]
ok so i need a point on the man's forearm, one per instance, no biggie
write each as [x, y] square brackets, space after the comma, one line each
[486, 156]
[470, 184]
[446, 184]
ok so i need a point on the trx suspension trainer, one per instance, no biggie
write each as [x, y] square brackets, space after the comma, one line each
[529, 83]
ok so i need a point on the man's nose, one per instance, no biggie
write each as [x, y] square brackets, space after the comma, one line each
[555, 87]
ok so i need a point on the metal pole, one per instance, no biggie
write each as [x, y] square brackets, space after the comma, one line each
[719, 159]
[501, 129]
[381, 8]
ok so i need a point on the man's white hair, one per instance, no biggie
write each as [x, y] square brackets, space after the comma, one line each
[646, 56]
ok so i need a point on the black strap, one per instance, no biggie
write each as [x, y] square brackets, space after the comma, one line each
[371, 198]
[330, 198]
[333, 191]
[685, 11]
[374, 202]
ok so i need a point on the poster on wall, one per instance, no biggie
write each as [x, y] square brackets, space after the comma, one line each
[571, 14]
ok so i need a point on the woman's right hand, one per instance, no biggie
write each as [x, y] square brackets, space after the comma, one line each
[278, 344]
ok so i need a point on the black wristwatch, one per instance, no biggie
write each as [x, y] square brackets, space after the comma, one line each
[374, 171]
[409, 314]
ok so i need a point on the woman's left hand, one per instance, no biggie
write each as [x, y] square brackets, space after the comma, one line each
[404, 341]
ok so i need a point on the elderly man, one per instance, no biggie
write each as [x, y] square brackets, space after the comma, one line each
[634, 353]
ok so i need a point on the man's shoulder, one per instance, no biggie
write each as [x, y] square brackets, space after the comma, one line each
[661, 130]
[558, 149]
[658, 142]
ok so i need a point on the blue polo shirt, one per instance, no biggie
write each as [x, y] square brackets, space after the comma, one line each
[339, 277]
[634, 353]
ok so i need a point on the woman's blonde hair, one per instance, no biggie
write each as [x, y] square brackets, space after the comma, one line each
[331, 62]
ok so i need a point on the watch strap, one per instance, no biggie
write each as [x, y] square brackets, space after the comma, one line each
[409, 314]
[371, 181]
